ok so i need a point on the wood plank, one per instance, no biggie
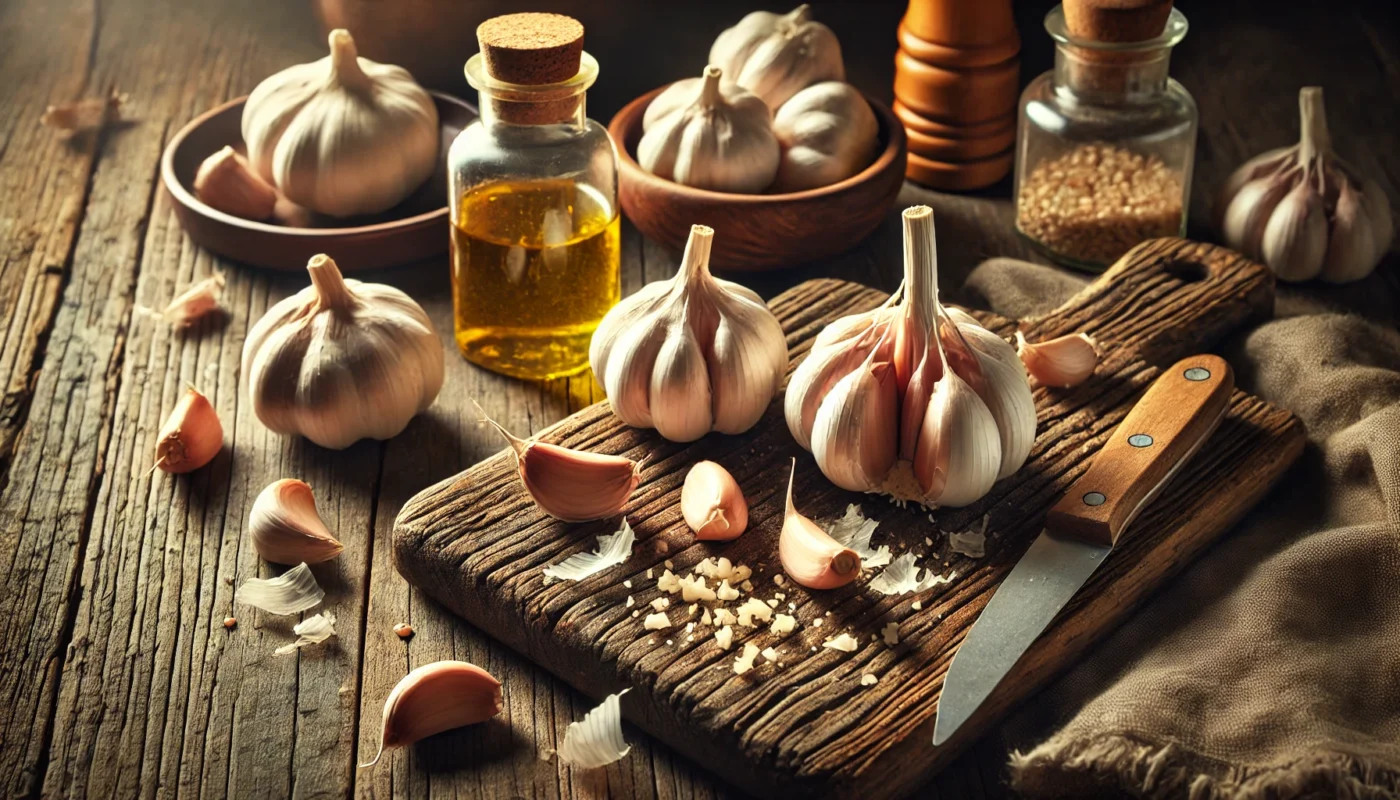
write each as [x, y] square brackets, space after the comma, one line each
[476, 542]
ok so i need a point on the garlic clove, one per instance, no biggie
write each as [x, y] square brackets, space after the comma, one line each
[712, 503]
[1294, 242]
[226, 183]
[1063, 362]
[1007, 395]
[809, 556]
[628, 378]
[855, 437]
[434, 698]
[744, 378]
[1249, 212]
[623, 320]
[818, 373]
[680, 387]
[1257, 167]
[959, 451]
[285, 527]
[913, 404]
[572, 485]
[1351, 247]
[190, 305]
[191, 436]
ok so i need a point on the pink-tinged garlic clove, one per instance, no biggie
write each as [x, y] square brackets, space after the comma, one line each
[225, 182]
[1063, 362]
[855, 437]
[959, 451]
[809, 556]
[434, 698]
[712, 503]
[192, 304]
[286, 528]
[190, 437]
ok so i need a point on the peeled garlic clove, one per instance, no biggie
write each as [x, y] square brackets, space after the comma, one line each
[1295, 238]
[855, 437]
[712, 503]
[225, 182]
[959, 452]
[1351, 248]
[434, 698]
[809, 556]
[571, 485]
[285, 527]
[201, 298]
[191, 436]
[1064, 361]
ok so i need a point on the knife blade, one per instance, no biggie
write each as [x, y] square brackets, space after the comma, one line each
[1159, 435]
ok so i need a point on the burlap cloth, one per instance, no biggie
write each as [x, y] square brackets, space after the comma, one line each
[1271, 667]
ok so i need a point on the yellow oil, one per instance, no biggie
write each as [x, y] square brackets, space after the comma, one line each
[535, 266]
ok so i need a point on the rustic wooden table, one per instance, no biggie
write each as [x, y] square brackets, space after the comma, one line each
[117, 677]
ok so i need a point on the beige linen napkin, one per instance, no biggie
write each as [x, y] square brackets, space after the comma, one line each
[1271, 667]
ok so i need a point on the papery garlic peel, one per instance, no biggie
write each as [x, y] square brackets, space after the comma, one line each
[572, 485]
[285, 527]
[913, 400]
[191, 436]
[1063, 362]
[809, 556]
[434, 698]
[712, 503]
[692, 354]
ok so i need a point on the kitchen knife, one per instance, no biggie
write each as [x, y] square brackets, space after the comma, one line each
[1170, 422]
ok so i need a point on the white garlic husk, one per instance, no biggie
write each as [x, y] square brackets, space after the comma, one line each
[913, 400]
[775, 56]
[342, 135]
[828, 133]
[710, 134]
[692, 354]
[342, 360]
[1303, 211]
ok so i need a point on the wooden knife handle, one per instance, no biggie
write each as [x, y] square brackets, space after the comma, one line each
[1160, 434]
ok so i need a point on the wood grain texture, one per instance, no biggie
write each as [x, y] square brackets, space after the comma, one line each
[477, 543]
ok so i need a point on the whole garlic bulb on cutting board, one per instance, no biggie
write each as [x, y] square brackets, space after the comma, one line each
[342, 135]
[828, 133]
[913, 400]
[711, 134]
[692, 354]
[342, 360]
[777, 55]
[1303, 211]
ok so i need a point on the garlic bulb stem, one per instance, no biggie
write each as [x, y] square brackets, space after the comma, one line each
[1315, 140]
[331, 291]
[345, 61]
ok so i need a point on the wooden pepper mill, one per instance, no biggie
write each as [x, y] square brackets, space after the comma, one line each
[956, 81]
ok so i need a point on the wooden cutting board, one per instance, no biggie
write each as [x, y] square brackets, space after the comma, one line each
[807, 725]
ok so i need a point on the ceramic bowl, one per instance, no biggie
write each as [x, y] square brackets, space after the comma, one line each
[760, 231]
[415, 229]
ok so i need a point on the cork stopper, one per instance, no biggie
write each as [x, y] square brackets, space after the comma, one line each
[531, 48]
[1116, 20]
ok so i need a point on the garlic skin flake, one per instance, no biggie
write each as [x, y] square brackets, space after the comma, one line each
[692, 354]
[777, 55]
[828, 133]
[434, 698]
[342, 360]
[854, 531]
[1305, 212]
[292, 592]
[596, 740]
[285, 527]
[710, 134]
[191, 436]
[342, 135]
[1063, 362]
[958, 416]
[902, 577]
[613, 549]
[312, 630]
[712, 503]
[809, 556]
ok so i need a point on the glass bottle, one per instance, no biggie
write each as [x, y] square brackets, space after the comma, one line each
[535, 225]
[1105, 145]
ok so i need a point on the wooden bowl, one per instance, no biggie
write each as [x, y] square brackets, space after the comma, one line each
[760, 231]
[413, 230]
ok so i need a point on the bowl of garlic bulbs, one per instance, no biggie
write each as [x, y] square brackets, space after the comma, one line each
[768, 145]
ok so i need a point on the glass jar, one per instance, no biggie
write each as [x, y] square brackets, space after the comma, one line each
[535, 226]
[1105, 144]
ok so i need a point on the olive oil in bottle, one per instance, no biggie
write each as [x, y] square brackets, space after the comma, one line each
[534, 269]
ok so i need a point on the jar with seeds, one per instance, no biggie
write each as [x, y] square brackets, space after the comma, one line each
[1105, 141]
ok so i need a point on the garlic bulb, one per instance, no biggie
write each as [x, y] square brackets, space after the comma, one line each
[828, 134]
[342, 360]
[775, 56]
[1305, 212]
[709, 134]
[913, 400]
[692, 354]
[342, 135]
